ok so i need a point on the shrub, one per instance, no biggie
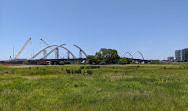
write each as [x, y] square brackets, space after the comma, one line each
[61, 63]
[155, 62]
[81, 67]
[68, 71]
[89, 72]
[93, 67]
[103, 63]
[67, 62]
[78, 71]
[25, 62]
[75, 85]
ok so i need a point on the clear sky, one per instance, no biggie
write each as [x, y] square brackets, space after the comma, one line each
[154, 27]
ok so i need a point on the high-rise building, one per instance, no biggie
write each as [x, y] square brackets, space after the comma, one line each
[178, 55]
[182, 55]
[185, 55]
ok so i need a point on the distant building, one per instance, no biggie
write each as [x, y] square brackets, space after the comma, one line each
[185, 55]
[181, 55]
[170, 59]
[178, 55]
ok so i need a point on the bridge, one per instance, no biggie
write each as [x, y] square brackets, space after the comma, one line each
[55, 48]
[139, 61]
[71, 57]
[49, 49]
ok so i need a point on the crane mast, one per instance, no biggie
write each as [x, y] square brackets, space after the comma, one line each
[22, 49]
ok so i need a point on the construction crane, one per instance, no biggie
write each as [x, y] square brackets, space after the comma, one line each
[44, 42]
[22, 49]
[45, 52]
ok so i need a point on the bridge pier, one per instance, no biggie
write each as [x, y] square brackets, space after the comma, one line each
[57, 53]
[44, 53]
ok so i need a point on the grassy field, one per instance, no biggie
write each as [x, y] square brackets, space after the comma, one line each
[111, 87]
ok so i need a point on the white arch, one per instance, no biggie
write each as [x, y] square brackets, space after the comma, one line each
[139, 53]
[80, 49]
[126, 53]
[55, 49]
[42, 51]
[69, 52]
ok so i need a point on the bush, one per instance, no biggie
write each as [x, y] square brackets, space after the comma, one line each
[68, 71]
[103, 63]
[93, 67]
[26, 62]
[89, 72]
[67, 62]
[61, 63]
[78, 71]
[73, 71]
[82, 67]
[155, 62]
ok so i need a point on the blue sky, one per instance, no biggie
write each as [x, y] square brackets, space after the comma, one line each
[154, 27]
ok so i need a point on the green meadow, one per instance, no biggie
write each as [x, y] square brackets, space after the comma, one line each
[149, 87]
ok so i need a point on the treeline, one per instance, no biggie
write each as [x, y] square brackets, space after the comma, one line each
[107, 56]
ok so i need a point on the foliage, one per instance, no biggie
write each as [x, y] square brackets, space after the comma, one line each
[89, 72]
[65, 62]
[61, 63]
[104, 56]
[124, 61]
[90, 67]
[90, 59]
[109, 56]
[25, 62]
[155, 61]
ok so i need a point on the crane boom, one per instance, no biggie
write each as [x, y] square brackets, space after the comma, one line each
[45, 42]
[22, 49]
[47, 45]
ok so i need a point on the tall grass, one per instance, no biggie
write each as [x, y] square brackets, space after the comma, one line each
[112, 87]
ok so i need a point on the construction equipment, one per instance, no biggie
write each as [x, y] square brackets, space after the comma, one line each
[56, 51]
[22, 49]
[45, 42]
[45, 52]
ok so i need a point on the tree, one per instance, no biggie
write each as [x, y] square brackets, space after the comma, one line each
[90, 59]
[104, 56]
[155, 61]
[124, 61]
[108, 56]
[98, 58]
